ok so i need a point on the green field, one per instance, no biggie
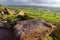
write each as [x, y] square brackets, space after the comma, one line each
[47, 14]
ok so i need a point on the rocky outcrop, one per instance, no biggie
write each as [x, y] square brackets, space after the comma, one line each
[56, 33]
[4, 33]
[21, 12]
[9, 11]
[35, 29]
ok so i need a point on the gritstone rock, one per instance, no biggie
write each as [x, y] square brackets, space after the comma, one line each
[35, 29]
[4, 33]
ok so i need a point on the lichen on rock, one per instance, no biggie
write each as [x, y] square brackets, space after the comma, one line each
[34, 29]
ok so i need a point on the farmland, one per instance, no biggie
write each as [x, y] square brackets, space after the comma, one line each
[51, 14]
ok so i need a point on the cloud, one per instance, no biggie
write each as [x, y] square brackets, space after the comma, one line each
[50, 5]
[18, 0]
[31, 2]
[3, 1]
[53, 3]
[45, 1]
[21, 1]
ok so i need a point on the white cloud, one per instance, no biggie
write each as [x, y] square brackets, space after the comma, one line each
[32, 2]
[51, 5]
[53, 1]
[39, 4]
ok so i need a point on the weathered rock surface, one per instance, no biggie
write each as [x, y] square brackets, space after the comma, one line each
[4, 33]
[35, 29]
[56, 33]
[1, 25]
[21, 12]
[9, 11]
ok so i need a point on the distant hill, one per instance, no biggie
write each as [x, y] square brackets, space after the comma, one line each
[53, 9]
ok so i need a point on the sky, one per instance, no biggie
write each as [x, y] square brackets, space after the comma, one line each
[53, 3]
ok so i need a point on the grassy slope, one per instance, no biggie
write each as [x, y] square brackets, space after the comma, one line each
[48, 15]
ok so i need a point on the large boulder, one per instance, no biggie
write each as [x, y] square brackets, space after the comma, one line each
[35, 29]
[4, 33]
[1, 25]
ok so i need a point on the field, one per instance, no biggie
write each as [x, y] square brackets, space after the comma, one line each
[47, 14]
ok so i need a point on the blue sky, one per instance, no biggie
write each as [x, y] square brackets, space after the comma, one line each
[55, 3]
